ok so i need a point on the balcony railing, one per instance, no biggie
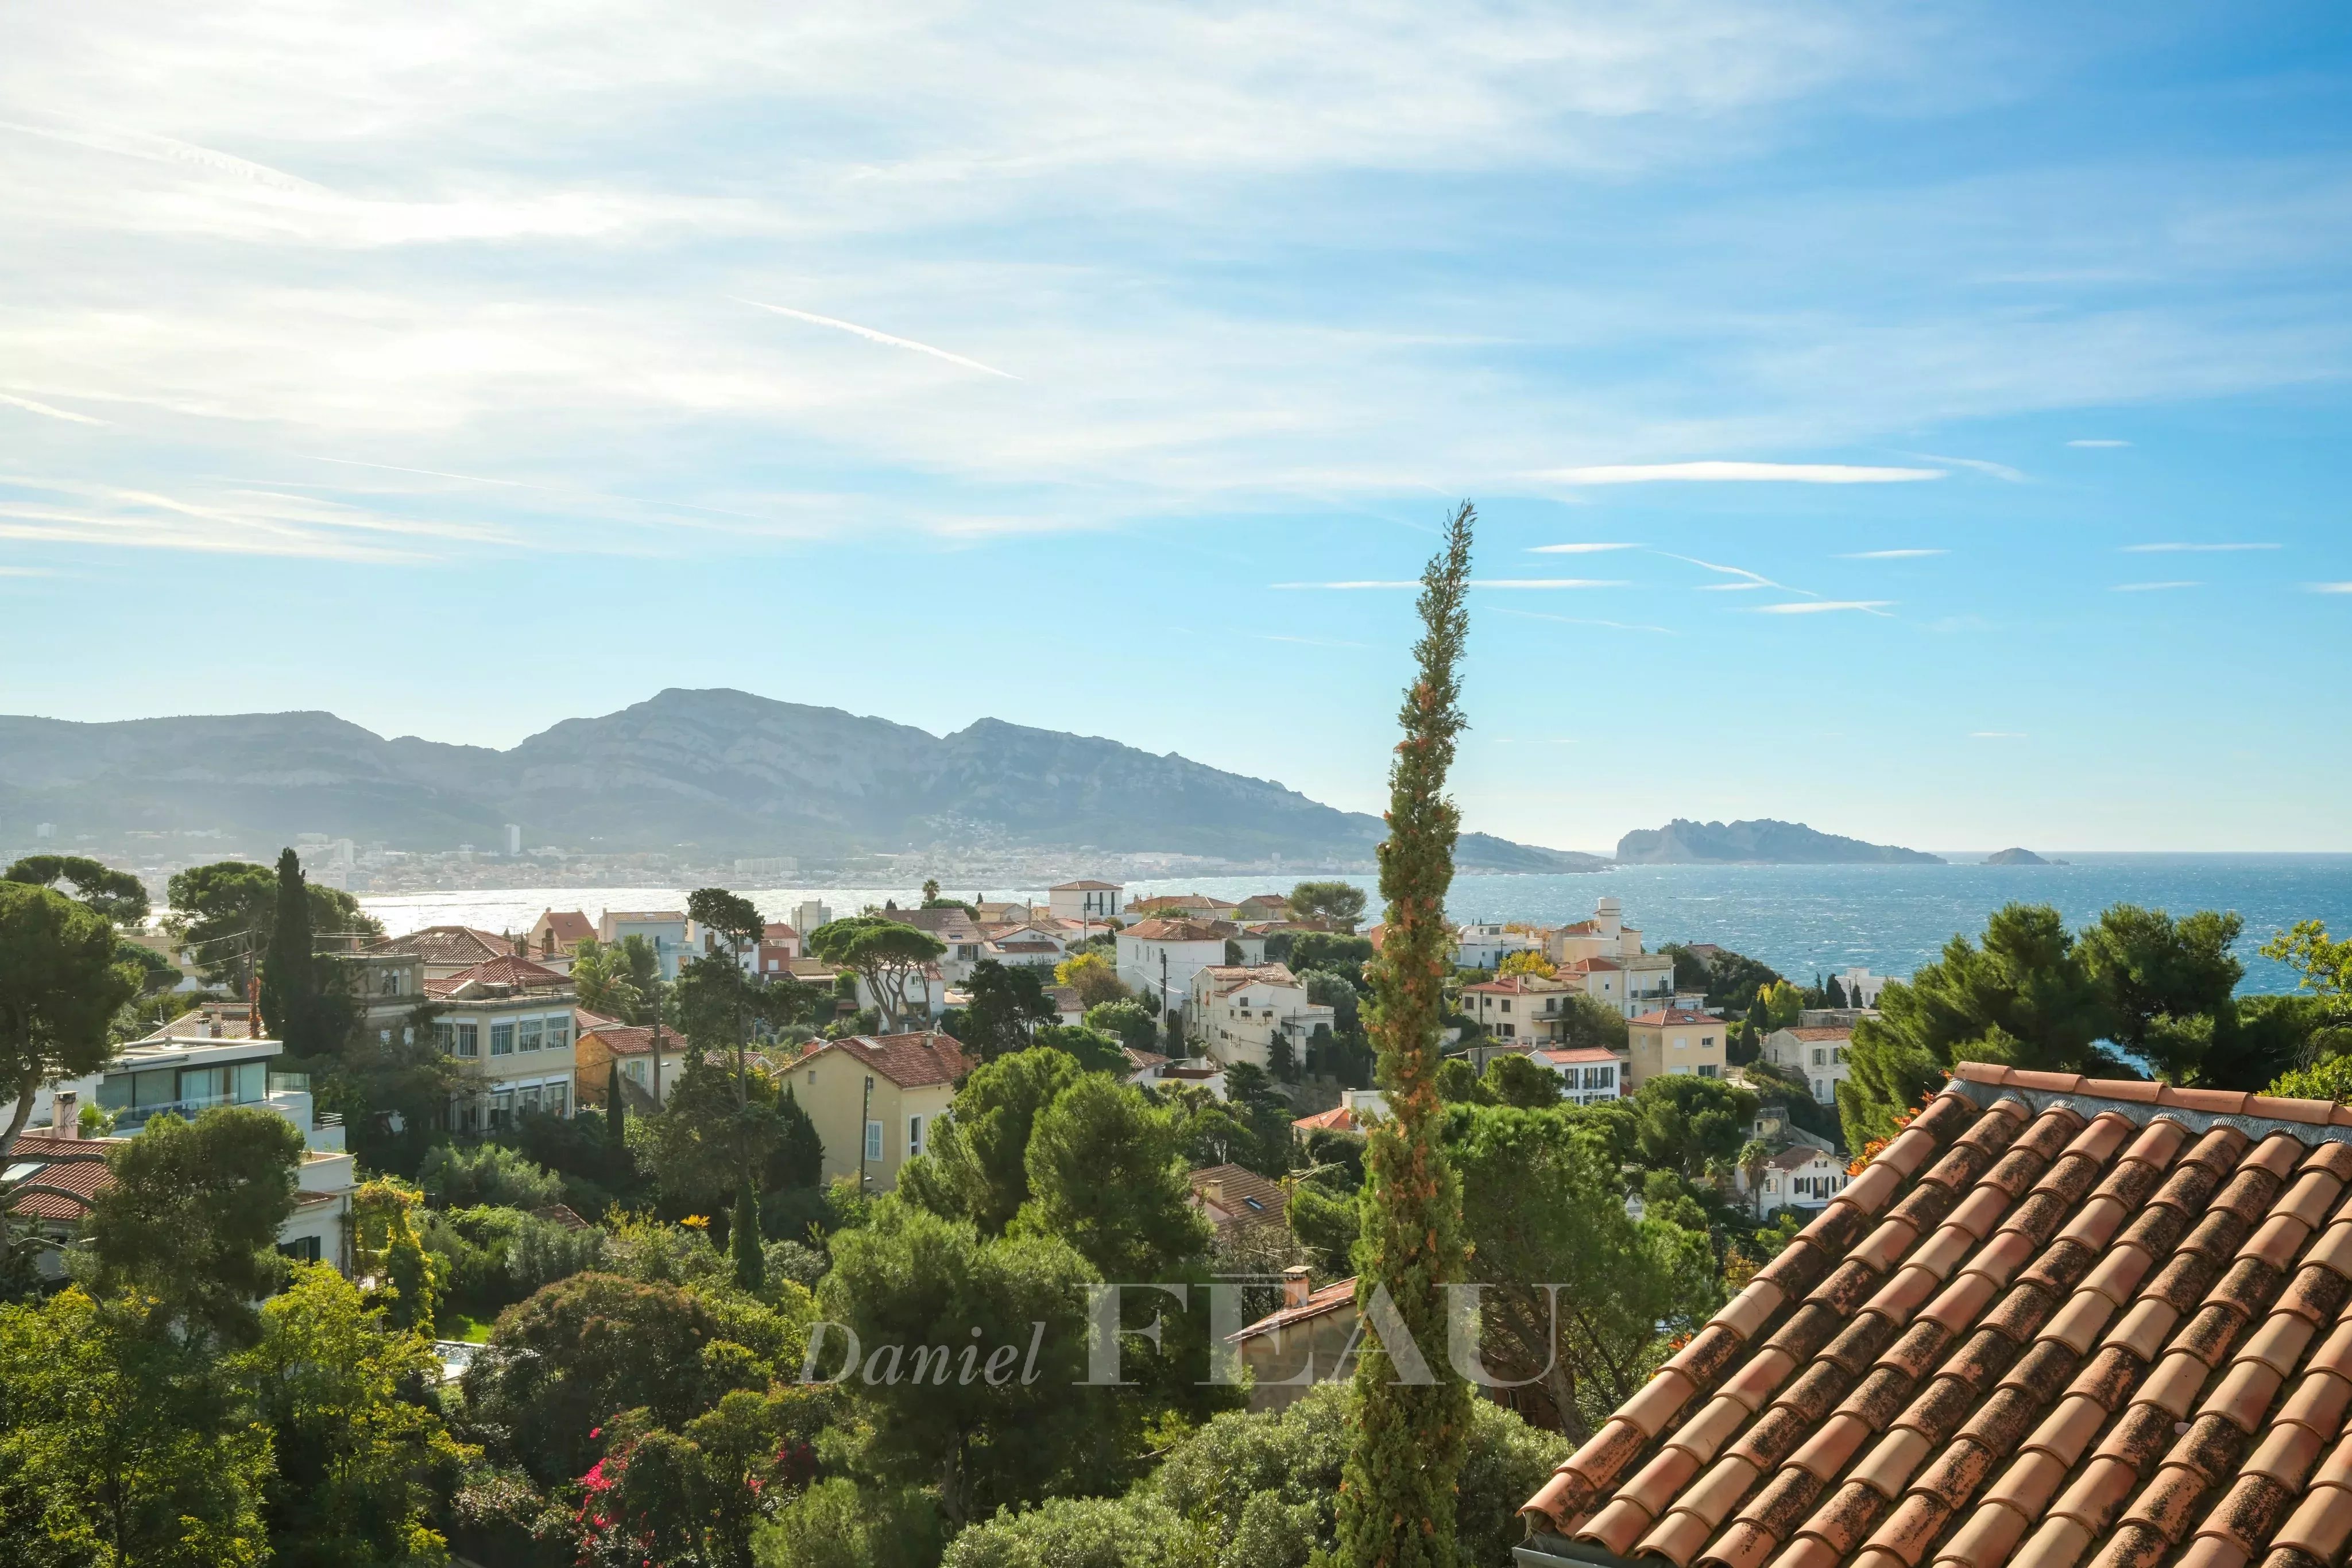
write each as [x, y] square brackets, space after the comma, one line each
[130, 1118]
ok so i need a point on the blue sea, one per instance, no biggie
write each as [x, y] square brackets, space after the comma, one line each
[1800, 919]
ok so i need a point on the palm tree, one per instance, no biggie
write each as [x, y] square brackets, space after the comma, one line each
[1752, 1155]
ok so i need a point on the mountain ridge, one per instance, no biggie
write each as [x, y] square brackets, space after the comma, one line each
[1762, 841]
[724, 770]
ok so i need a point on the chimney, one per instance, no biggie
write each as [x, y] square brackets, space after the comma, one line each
[65, 1114]
[1295, 1285]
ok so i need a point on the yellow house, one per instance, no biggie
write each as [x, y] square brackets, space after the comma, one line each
[874, 1099]
[1673, 1042]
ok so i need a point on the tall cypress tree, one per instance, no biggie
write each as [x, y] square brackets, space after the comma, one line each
[289, 984]
[1396, 1503]
[743, 1239]
[616, 1112]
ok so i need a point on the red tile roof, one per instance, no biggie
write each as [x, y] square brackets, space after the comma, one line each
[1514, 984]
[635, 1040]
[1338, 1119]
[1319, 1303]
[510, 971]
[1236, 1198]
[2057, 1322]
[1181, 930]
[1572, 1055]
[448, 944]
[568, 927]
[1818, 1033]
[909, 1060]
[71, 1164]
[1675, 1016]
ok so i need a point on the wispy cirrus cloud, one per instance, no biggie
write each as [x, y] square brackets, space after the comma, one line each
[2155, 587]
[1827, 606]
[1578, 549]
[2001, 471]
[48, 410]
[1515, 582]
[1892, 554]
[1734, 473]
[871, 335]
[2217, 548]
[1587, 621]
[2329, 586]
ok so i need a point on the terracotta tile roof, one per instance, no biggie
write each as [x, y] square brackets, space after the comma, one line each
[1666, 1016]
[1329, 1299]
[1236, 1197]
[2057, 1322]
[1578, 1054]
[1817, 1033]
[1181, 930]
[1516, 985]
[583, 1021]
[1143, 1061]
[1796, 1157]
[1338, 1119]
[778, 931]
[511, 971]
[636, 1040]
[71, 1164]
[909, 1060]
[568, 927]
[1592, 966]
[1084, 887]
[646, 917]
[440, 944]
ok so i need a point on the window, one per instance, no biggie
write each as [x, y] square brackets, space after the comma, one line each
[304, 1250]
[811, 1077]
[530, 1033]
[1706, 1070]
[873, 1140]
[914, 1136]
[502, 1039]
[502, 1108]
[252, 1081]
[391, 982]
[1681, 1043]
[636, 1072]
[1506, 1006]
[470, 1039]
[1821, 1057]
[1510, 1031]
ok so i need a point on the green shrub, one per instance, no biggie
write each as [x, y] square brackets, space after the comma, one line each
[838, 1524]
[1086, 1532]
[458, 1178]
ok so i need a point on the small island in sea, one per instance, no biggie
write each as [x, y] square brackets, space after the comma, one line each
[2015, 856]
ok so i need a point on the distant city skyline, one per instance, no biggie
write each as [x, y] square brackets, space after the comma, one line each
[1927, 424]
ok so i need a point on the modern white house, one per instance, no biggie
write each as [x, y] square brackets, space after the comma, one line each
[1093, 902]
[1519, 1007]
[1863, 987]
[1483, 944]
[1038, 946]
[664, 928]
[186, 1076]
[1238, 1012]
[1162, 956]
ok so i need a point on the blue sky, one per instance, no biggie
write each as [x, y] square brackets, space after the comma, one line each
[1963, 386]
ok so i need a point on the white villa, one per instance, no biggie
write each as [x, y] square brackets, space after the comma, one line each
[1236, 1012]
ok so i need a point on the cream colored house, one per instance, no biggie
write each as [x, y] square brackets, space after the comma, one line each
[1236, 1012]
[1673, 1041]
[1818, 1053]
[874, 1099]
[508, 1023]
[1518, 1008]
[1603, 956]
[1090, 902]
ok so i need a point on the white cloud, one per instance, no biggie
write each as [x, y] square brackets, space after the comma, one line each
[1738, 473]
[1825, 606]
[1411, 583]
[2098, 443]
[1543, 582]
[1577, 549]
[2331, 587]
[2191, 549]
[2152, 587]
[1892, 554]
[870, 333]
[1586, 621]
[41, 408]
[1982, 466]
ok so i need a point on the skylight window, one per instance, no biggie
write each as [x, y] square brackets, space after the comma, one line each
[24, 1170]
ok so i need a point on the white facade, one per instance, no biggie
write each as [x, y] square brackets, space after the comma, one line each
[1589, 1075]
[1093, 902]
[1163, 956]
[664, 929]
[1799, 1176]
[808, 914]
[187, 1076]
[1820, 1054]
[1863, 987]
[1484, 945]
[1236, 1013]
[517, 1051]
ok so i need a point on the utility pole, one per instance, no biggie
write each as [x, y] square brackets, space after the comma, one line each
[865, 1122]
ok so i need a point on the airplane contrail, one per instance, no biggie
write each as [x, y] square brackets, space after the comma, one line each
[41, 408]
[869, 332]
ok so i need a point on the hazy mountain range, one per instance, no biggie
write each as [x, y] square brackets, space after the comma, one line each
[726, 772]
